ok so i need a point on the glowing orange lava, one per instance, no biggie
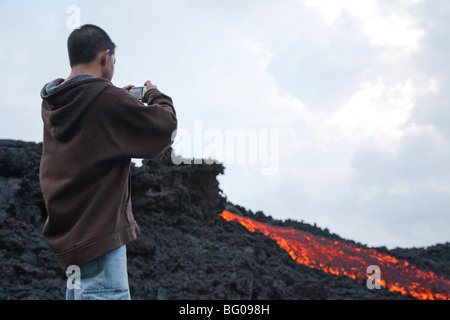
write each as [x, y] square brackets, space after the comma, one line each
[348, 259]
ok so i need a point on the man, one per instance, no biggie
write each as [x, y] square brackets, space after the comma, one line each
[92, 129]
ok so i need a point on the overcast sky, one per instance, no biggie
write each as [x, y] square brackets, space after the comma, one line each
[348, 99]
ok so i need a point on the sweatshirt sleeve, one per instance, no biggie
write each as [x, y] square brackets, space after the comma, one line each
[143, 131]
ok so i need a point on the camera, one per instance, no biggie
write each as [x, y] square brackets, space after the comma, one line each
[138, 92]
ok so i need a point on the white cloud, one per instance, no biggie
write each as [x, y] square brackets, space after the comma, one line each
[386, 28]
[394, 30]
[379, 111]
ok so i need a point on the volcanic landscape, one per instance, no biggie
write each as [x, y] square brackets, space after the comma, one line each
[198, 245]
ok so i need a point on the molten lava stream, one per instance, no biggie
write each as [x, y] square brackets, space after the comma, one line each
[348, 259]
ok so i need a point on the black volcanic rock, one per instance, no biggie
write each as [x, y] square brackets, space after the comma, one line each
[186, 251]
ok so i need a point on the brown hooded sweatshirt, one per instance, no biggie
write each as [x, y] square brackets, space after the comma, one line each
[92, 129]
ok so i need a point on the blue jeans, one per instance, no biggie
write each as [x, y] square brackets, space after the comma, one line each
[105, 278]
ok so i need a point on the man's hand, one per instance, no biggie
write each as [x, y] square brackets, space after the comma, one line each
[149, 85]
[128, 87]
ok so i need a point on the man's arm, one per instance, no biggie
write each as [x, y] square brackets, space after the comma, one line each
[142, 131]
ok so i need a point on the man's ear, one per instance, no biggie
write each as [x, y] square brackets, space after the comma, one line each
[104, 56]
[103, 59]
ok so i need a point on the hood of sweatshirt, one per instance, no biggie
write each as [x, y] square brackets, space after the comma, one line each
[65, 102]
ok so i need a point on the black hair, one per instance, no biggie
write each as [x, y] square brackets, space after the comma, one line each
[86, 42]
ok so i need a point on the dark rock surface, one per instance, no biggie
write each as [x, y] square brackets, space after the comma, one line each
[187, 251]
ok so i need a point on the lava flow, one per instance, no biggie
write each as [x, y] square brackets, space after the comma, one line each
[350, 260]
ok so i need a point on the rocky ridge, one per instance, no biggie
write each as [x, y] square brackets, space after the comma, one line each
[186, 250]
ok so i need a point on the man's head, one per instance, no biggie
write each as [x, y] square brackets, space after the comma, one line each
[90, 45]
